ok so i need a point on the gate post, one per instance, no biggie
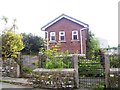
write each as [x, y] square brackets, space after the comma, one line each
[107, 69]
[75, 60]
[18, 68]
[40, 59]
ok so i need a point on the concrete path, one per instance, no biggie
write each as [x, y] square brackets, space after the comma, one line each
[7, 85]
[22, 81]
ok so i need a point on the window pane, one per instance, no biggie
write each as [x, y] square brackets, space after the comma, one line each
[52, 33]
[61, 33]
[75, 37]
[74, 32]
[62, 37]
[52, 37]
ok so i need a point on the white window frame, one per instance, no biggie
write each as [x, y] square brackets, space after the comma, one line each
[74, 34]
[61, 35]
[52, 34]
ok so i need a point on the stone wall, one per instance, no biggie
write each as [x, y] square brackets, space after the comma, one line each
[10, 68]
[55, 78]
[28, 60]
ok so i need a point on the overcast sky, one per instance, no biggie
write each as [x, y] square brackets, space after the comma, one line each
[31, 15]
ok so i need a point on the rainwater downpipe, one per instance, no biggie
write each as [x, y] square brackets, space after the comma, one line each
[47, 40]
[81, 42]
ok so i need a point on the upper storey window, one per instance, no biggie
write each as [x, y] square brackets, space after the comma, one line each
[74, 35]
[62, 36]
[52, 36]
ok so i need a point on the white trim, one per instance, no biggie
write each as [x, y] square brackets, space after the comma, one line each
[61, 35]
[52, 41]
[62, 41]
[75, 40]
[63, 16]
[75, 34]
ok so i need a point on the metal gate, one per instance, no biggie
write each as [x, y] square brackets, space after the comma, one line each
[114, 74]
[91, 74]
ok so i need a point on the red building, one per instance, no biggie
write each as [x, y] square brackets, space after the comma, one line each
[70, 32]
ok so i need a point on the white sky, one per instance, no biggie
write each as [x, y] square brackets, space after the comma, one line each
[31, 15]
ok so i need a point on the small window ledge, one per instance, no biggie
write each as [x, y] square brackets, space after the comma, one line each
[52, 41]
[62, 41]
[75, 40]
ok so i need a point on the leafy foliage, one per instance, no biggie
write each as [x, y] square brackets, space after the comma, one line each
[114, 61]
[56, 59]
[90, 68]
[92, 46]
[11, 44]
[32, 43]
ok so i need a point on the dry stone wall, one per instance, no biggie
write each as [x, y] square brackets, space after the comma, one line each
[55, 78]
[10, 68]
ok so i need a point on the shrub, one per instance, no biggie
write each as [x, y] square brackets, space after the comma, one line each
[56, 59]
[114, 61]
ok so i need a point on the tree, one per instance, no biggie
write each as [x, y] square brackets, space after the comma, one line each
[32, 43]
[11, 44]
[92, 46]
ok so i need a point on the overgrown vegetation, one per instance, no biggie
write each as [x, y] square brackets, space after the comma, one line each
[114, 61]
[11, 41]
[56, 59]
[11, 44]
[32, 44]
[92, 46]
[90, 68]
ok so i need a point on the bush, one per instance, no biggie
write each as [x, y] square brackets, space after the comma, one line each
[57, 63]
[114, 61]
[56, 59]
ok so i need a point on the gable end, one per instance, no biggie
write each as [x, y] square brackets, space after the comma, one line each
[64, 16]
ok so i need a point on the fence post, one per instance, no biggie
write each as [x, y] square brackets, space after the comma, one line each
[18, 66]
[75, 60]
[118, 68]
[40, 59]
[107, 69]
[119, 81]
